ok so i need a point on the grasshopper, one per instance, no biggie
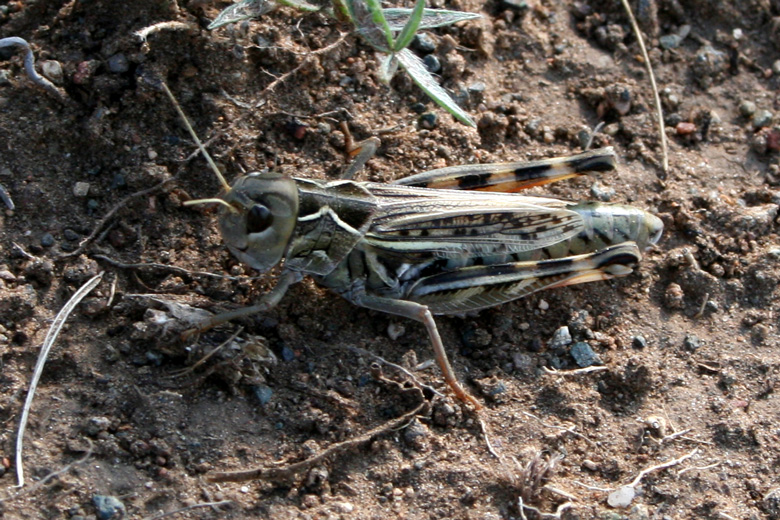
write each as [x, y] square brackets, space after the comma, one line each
[447, 241]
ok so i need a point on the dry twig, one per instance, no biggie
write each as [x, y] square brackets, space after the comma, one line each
[84, 243]
[190, 369]
[289, 471]
[575, 372]
[164, 267]
[659, 110]
[401, 369]
[674, 462]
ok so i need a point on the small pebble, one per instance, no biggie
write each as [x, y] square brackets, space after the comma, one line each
[543, 305]
[81, 189]
[639, 342]
[520, 6]
[590, 465]
[118, 63]
[443, 414]
[583, 355]
[432, 63]
[70, 235]
[40, 271]
[673, 296]
[423, 42]
[287, 353]
[601, 193]
[621, 497]
[52, 69]
[343, 507]
[428, 120]
[685, 128]
[395, 330]
[578, 324]
[692, 342]
[418, 108]
[561, 338]
[263, 393]
[619, 98]
[477, 87]
[108, 507]
[669, 41]
[4, 78]
[154, 358]
[762, 118]
[639, 512]
[118, 181]
[523, 362]
[47, 240]
[776, 67]
[709, 64]
[415, 435]
[747, 108]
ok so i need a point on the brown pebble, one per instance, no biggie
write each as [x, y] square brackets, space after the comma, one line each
[674, 296]
[685, 128]
[773, 140]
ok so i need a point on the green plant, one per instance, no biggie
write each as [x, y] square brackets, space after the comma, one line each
[378, 27]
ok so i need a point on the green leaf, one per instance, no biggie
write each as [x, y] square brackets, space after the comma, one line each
[301, 5]
[420, 75]
[375, 8]
[379, 37]
[243, 10]
[398, 17]
[387, 68]
[340, 10]
[410, 29]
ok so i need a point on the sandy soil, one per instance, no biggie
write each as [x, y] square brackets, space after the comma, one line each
[689, 341]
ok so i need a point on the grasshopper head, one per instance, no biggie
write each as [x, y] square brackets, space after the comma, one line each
[654, 227]
[259, 218]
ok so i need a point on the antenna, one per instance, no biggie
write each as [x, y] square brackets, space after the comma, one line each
[202, 149]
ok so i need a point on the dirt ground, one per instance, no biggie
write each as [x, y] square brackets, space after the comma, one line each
[689, 341]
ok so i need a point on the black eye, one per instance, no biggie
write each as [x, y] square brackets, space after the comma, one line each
[258, 219]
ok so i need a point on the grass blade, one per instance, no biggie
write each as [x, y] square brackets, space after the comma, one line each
[301, 5]
[398, 17]
[367, 27]
[420, 75]
[410, 29]
[387, 68]
[378, 17]
[243, 10]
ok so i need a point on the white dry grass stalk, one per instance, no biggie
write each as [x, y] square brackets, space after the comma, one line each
[143, 34]
[642, 474]
[660, 115]
[51, 337]
[29, 67]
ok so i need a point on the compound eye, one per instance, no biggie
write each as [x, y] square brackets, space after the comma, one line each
[258, 219]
